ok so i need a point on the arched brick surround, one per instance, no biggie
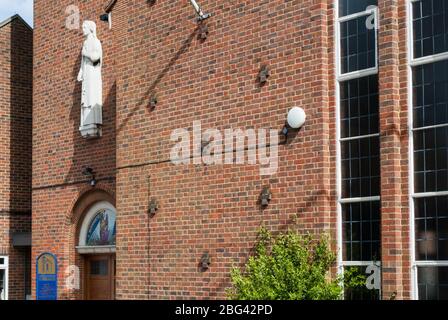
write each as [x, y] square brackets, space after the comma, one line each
[86, 199]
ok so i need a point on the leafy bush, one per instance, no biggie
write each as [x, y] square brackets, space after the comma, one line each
[355, 284]
[287, 267]
[354, 278]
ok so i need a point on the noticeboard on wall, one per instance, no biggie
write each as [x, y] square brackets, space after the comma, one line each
[46, 277]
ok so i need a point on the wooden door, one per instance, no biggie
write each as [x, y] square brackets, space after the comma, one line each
[100, 277]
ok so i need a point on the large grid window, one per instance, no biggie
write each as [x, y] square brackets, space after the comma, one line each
[3, 278]
[430, 92]
[433, 283]
[360, 167]
[361, 225]
[357, 43]
[359, 150]
[431, 228]
[430, 160]
[429, 143]
[430, 25]
[348, 7]
[359, 106]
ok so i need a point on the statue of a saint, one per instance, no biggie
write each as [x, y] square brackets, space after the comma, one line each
[92, 84]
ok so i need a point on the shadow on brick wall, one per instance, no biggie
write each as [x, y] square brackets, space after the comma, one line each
[151, 89]
[21, 116]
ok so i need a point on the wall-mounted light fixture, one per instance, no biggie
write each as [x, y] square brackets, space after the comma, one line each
[264, 74]
[265, 197]
[295, 120]
[107, 17]
[153, 207]
[205, 261]
[201, 15]
[104, 17]
[91, 174]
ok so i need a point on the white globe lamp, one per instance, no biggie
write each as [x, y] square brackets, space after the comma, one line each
[296, 118]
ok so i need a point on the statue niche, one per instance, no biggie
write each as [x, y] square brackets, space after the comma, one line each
[92, 84]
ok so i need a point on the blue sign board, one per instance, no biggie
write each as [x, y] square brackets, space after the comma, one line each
[46, 277]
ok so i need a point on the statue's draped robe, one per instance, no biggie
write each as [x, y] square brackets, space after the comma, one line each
[92, 85]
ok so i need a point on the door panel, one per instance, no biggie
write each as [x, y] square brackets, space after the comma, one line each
[100, 277]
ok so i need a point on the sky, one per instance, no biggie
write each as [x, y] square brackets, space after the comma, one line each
[9, 8]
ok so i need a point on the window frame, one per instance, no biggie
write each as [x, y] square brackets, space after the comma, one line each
[343, 77]
[339, 20]
[412, 63]
[5, 267]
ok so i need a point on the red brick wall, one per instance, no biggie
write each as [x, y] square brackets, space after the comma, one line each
[18, 266]
[394, 150]
[59, 152]
[154, 49]
[214, 208]
[16, 46]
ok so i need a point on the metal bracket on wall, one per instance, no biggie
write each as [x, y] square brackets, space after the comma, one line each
[203, 31]
[205, 261]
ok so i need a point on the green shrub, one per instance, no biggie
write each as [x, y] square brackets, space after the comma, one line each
[287, 267]
[354, 278]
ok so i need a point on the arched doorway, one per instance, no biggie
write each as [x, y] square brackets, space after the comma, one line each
[97, 246]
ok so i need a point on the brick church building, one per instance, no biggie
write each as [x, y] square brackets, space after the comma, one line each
[16, 70]
[125, 219]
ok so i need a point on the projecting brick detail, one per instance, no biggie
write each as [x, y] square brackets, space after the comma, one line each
[16, 52]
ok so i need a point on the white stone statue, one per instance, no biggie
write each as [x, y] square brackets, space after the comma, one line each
[92, 84]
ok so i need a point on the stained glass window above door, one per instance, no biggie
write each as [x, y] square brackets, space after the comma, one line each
[102, 229]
